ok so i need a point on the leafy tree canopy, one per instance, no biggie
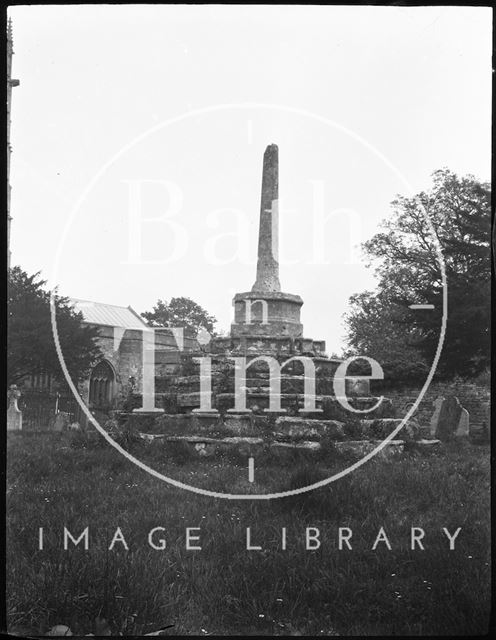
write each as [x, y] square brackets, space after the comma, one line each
[409, 272]
[30, 342]
[181, 312]
[380, 329]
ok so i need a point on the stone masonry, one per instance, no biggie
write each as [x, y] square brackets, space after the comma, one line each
[267, 322]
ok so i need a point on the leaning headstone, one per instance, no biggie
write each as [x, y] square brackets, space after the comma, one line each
[479, 431]
[60, 421]
[437, 404]
[14, 414]
[463, 427]
[449, 418]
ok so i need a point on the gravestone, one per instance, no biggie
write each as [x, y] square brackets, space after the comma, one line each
[449, 418]
[437, 404]
[418, 429]
[60, 421]
[14, 414]
[464, 424]
[479, 432]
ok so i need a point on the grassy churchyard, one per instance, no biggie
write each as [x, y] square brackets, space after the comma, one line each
[67, 480]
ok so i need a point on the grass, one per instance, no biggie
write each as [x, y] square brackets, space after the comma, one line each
[55, 480]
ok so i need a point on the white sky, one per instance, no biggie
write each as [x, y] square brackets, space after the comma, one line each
[413, 83]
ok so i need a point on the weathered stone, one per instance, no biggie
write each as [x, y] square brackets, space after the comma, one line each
[238, 424]
[449, 418]
[14, 414]
[245, 446]
[479, 433]
[191, 439]
[240, 440]
[265, 311]
[361, 448]
[427, 445]
[260, 398]
[60, 421]
[60, 630]
[290, 448]
[189, 400]
[167, 423]
[205, 446]
[204, 420]
[437, 404]
[334, 410]
[268, 241]
[150, 437]
[463, 428]
[193, 382]
[205, 449]
[296, 427]
[382, 427]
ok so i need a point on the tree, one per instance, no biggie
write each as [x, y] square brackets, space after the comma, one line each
[30, 341]
[409, 272]
[379, 328]
[180, 312]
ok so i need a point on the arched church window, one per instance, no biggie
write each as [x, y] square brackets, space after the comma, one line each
[101, 385]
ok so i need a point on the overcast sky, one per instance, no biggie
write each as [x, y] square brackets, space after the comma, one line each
[129, 113]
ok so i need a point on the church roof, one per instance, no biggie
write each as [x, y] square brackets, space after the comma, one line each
[109, 314]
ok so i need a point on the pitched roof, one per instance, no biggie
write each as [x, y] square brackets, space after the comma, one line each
[108, 314]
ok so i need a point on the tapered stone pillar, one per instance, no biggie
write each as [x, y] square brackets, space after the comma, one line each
[265, 311]
[268, 235]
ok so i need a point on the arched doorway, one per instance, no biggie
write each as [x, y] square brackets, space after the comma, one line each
[102, 383]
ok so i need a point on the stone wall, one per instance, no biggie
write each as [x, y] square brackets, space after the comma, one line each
[473, 397]
[123, 350]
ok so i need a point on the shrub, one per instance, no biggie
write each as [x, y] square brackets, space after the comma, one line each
[188, 366]
[332, 410]
[353, 428]
[125, 434]
[132, 401]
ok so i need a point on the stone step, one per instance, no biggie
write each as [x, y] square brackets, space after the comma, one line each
[289, 383]
[335, 410]
[427, 445]
[260, 400]
[203, 446]
[288, 449]
[295, 427]
[192, 383]
[361, 448]
[382, 427]
[174, 423]
[282, 427]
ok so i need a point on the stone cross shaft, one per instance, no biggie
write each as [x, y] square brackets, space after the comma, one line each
[268, 235]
